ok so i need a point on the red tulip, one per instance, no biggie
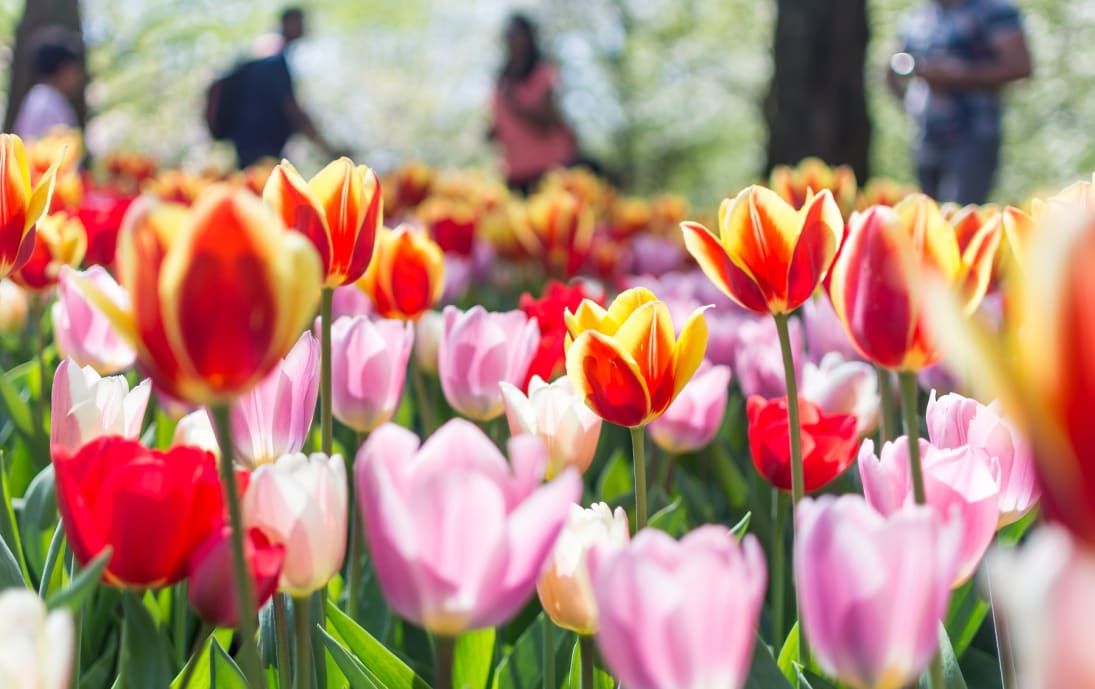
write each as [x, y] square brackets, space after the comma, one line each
[828, 442]
[211, 590]
[549, 361]
[153, 508]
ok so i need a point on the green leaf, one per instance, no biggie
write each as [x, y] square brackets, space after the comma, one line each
[788, 655]
[9, 530]
[522, 665]
[145, 655]
[51, 559]
[223, 671]
[965, 616]
[18, 409]
[673, 518]
[812, 680]
[473, 659]
[952, 671]
[11, 576]
[764, 672]
[389, 670]
[82, 585]
[601, 679]
[199, 679]
[981, 669]
[615, 480]
[37, 519]
[356, 674]
[740, 529]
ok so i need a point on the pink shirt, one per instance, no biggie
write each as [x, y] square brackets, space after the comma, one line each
[527, 150]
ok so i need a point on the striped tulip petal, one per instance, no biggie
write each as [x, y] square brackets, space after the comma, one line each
[609, 379]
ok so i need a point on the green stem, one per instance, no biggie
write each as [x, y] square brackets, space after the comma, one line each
[37, 312]
[356, 546]
[1003, 643]
[444, 648]
[422, 395]
[779, 566]
[179, 606]
[793, 426]
[302, 622]
[326, 307]
[886, 411]
[638, 436]
[281, 631]
[249, 653]
[77, 623]
[585, 656]
[549, 654]
[909, 409]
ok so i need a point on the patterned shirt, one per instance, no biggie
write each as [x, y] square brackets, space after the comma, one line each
[962, 30]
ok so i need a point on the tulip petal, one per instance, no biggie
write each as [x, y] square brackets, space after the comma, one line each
[822, 229]
[689, 350]
[609, 379]
[647, 335]
[300, 209]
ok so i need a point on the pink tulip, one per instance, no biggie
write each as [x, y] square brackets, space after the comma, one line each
[82, 331]
[837, 386]
[722, 334]
[962, 485]
[427, 338]
[758, 362]
[656, 255]
[350, 300]
[872, 588]
[457, 534]
[680, 615]
[693, 419]
[368, 366]
[458, 276]
[300, 502]
[274, 417]
[479, 350]
[824, 331]
[85, 407]
[559, 417]
[954, 421]
[1046, 592]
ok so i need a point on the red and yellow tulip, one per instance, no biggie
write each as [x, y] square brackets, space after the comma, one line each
[626, 360]
[797, 184]
[877, 283]
[407, 274]
[21, 205]
[768, 257]
[61, 240]
[340, 211]
[556, 226]
[220, 292]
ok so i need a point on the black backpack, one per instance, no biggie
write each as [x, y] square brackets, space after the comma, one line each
[222, 102]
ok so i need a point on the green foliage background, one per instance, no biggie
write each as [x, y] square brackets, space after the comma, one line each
[665, 91]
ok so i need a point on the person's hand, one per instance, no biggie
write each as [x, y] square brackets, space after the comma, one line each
[942, 72]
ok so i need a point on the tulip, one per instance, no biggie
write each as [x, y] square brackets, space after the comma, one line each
[556, 226]
[758, 362]
[877, 281]
[85, 407]
[274, 417]
[1044, 592]
[954, 421]
[101, 211]
[768, 256]
[300, 502]
[680, 615]
[14, 307]
[692, 421]
[626, 362]
[549, 311]
[427, 339]
[872, 588]
[369, 365]
[559, 417]
[458, 535]
[21, 205]
[824, 331]
[565, 588]
[407, 187]
[451, 223]
[479, 350]
[796, 184]
[961, 485]
[340, 211]
[153, 508]
[36, 646]
[196, 430]
[210, 587]
[407, 274]
[837, 386]
[350, 301]
[828, 442]
[82, 330]
[880, 191]
[220, 292]
[61, 241]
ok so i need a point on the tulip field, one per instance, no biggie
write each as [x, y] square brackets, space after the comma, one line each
[412, 430]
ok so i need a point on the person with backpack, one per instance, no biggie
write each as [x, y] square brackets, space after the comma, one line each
[254, 106]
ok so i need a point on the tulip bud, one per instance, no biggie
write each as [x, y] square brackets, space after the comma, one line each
[21, 206]
[559, 417]
[211, 587]
[82, 330]
[369, 365]
[407, 275]
[36, 646]
[693, 419]
[427, 339]
[85, 407]
[13, 307]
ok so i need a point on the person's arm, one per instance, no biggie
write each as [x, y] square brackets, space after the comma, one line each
[1010, 62]
[303, 124]
[543, 113]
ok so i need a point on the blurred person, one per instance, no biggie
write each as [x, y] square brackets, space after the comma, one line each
[956, 56]
[58, 61]
[526, 123]
[264, 109]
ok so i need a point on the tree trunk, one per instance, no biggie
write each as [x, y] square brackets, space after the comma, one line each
[36, 15]
[816, 104]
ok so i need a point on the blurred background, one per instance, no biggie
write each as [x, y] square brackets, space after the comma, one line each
[669, 95]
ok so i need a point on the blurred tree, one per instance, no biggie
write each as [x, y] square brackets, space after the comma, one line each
[37, 14]
[816, 103]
